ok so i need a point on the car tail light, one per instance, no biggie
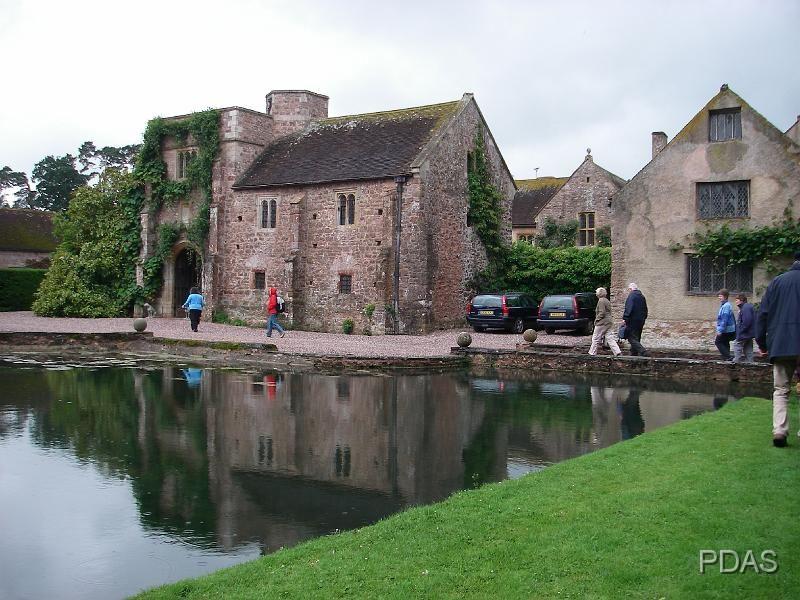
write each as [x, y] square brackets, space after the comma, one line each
[505, 307]
[575, 306]
[469, 307]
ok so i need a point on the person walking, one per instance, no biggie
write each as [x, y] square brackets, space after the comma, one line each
[634, 316]
[778, 336]
[272, 311]
[602, 325]
[726, 325]
[194, 304]
[745, 330]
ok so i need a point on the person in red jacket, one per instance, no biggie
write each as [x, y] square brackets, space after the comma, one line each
[272, 311]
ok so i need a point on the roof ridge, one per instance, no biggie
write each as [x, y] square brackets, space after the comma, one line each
[385, 112]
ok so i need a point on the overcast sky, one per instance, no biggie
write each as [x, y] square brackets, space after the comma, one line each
[551, 77]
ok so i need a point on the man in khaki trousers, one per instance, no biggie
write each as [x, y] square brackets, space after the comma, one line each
[603, 324]
[778, 336]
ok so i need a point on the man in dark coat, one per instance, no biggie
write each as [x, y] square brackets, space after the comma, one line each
[778, 335]
[634, 316]
[745, 330]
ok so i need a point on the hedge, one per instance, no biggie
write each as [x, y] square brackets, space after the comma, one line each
[17, 287]
[544, 271]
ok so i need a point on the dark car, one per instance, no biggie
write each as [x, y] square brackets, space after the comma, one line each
[568, 311]
[513, 311]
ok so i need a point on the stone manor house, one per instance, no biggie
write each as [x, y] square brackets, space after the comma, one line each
[338, 213]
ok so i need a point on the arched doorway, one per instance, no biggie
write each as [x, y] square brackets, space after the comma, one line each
[188, 274]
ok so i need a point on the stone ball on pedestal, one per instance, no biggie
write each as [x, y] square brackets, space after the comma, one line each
[140, 324]
[530, 335]
[464, 339]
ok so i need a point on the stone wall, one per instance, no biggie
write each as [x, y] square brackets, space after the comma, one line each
[306, 252]
[14, 258]
[293, 110]
[657, 211]
[589, 189]
[456, 251]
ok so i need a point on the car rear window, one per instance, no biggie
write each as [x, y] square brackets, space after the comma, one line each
[490, 301]
[554, 301]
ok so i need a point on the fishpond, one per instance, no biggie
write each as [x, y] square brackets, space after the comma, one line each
[115, 477]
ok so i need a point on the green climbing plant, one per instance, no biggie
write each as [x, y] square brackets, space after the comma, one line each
[750, 245]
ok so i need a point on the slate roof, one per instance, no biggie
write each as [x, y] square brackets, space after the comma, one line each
[353, 147]
[26, 230]
[531, 197]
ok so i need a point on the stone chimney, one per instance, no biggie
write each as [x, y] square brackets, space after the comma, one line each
[294, 110]
[659, 142]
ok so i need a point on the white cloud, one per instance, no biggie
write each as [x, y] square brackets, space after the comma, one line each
[551, 78]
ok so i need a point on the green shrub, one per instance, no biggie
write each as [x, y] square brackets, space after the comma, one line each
[544, 271]
[348, 326]
[17, 287]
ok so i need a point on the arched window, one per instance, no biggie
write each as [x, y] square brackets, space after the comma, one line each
[264, 214]
[342, 209]
[273, 213]
[351, 209]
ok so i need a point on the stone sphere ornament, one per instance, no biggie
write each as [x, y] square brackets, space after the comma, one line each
[530, 335]
[140, 324]
[464, 339]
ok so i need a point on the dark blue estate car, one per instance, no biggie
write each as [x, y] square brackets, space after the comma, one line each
[512, 311]
[568, 311]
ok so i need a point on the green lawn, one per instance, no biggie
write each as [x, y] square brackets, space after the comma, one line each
[628, 521]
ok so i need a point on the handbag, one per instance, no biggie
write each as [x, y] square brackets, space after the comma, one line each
[623, 332]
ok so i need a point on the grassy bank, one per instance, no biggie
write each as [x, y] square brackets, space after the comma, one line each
[628, 521]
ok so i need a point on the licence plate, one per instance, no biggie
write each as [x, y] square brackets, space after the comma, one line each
[486, 312]
[557, 315]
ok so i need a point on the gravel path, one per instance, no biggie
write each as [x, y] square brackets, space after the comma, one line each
[295, 342]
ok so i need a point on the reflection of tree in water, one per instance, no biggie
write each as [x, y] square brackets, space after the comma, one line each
[23, 390]
[521, 406]
[133, 425]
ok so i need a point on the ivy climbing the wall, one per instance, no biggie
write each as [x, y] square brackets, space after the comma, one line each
[750, 245]
[150, 169]
[485, 211]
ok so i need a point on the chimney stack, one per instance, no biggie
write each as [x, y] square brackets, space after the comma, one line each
[293, 110]
[659, 142]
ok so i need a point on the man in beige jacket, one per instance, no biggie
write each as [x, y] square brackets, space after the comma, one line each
[603, 324]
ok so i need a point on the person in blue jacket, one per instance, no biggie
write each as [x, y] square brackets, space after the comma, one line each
[194, 304]
[745, 330]
[778, 335]
[726, 325]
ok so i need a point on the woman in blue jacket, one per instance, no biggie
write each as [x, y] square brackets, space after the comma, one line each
[726, 326]
[194, 304]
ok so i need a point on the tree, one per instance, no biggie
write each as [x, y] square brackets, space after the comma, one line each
[56, 178]
[93, 161]
[15, 182]
[93, 271]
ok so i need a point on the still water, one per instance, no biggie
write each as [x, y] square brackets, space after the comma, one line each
[115, 478]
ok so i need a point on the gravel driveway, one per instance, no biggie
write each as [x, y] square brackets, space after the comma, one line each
[437, 343]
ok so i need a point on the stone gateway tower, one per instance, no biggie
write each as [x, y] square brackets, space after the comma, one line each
[360, 217]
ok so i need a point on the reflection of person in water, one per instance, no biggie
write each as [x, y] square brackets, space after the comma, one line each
[632, 422]
[271, 381]
[193, 377]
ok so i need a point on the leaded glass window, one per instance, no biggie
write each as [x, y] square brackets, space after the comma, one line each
[725, 125]
[708, 275]
[724, 200]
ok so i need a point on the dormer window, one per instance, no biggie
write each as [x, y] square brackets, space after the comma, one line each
[184, 159]
[725, 125]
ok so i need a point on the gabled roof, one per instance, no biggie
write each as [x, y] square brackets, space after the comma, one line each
[26, 230]
[531, 197]
[689, 128]
[353, 147]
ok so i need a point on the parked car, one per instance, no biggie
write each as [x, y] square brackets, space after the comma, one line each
[512, 311]
[568, 311]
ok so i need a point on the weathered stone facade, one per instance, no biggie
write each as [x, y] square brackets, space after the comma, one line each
[588, 191]
[657, 213]
[532, 195]
[287, 161]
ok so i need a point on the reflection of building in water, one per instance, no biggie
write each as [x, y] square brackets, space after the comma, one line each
[572, 420]
[320, 452]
